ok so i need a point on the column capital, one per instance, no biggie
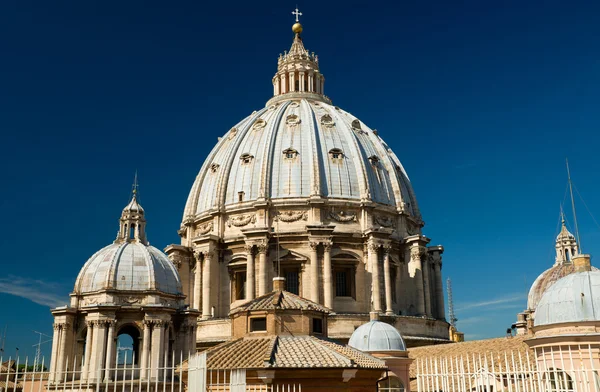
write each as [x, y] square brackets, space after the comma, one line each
[373, 245]
[313, 245]
[327, 245]
[262, 246]
[387, 249]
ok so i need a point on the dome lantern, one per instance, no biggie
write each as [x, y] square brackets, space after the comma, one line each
[132, 222]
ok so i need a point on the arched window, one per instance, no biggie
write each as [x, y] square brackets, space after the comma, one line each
[557, 380]
[132, 231]
[567, 255]
[128, 342]
[390, 384]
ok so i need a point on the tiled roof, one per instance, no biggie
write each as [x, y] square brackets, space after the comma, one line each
[10, 385]
[280, 300]
[466, 351]
[288, 352]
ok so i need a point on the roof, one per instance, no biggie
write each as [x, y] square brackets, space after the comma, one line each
[575, 297]
[128, 266]
[468, 353]
[377, 336]
[280, 300]
[251, 158]
[277, 352]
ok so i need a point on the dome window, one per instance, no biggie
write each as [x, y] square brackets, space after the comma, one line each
[232, 132]
[327, 121]
[246, 158]
[290, 153]
[259, 125]
[356, 125]
[214, 167]
[374, 160]
[336, 154]
[292, 120]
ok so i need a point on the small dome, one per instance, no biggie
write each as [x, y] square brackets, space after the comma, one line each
[377, 336]
[133, 206]
[128, 266]
[573, 298]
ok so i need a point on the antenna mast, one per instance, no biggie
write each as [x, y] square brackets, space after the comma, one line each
[451, 315]
[573, 206]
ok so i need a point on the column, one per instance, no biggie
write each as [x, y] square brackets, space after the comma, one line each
[374, 263]
[310, 82]
[197, 283]
[387, 279]
[415, 259]
[98, 353]
[88, 350]
[191, 287]
[314, 272]
[322, 84]
[292, 82]
[157, 348]
[250, 289]
[110, 343]
[55, 353]
[283, 84]
[439, 288]
[192, 338]
[262, 268]
[276, 85]
[206, 284]
[426, 285]
[302, 76]
[166, 350]
[145, 350]
[327, 276]
[60, 366]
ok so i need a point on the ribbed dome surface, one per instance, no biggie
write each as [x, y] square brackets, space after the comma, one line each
[128, 266]
[576, 297]
[299, 148]
[377, 336]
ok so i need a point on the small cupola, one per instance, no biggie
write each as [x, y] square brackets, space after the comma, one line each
[132, 222]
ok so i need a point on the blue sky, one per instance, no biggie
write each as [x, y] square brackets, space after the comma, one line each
[482, 102]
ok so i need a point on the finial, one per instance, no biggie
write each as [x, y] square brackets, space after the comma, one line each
[562, 215]
[134, 188]
[297, 27]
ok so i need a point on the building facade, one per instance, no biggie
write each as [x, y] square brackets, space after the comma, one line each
[305, 190]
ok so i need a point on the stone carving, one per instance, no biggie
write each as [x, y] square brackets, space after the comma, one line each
[182, 230]
[214, 167]
[291, 216]
[294, 104]
[90, 301]
[130, 300]
[259, 125]
[292, 120]
[232, 132]
[262, 247]
[343, 216]
[241, 220]
[384, 221]
[204, 229]
[327, 121]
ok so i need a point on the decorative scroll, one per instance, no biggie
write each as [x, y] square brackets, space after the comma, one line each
[241, 220]
[343, 216]
[205, 228]
[130, 300]
[291, 216]
[384, 221]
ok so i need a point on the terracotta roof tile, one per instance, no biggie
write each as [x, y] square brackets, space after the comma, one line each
[280, 300]
[240, 353]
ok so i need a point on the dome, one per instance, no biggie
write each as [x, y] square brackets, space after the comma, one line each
[573, 298]
[545, 280]
[377, 336]
[298, 149]
[128, 266]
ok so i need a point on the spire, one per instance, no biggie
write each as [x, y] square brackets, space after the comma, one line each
[132, 222]
[566, 245]
[298, 74]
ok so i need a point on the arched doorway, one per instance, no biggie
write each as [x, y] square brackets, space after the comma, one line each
[128, 342]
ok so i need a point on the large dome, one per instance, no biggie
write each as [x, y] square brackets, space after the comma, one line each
[300, 148]
[574, 298]
[377, 336]
[129, 266]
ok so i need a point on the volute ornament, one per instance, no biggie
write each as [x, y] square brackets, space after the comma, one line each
[291, 216]
[241, 220]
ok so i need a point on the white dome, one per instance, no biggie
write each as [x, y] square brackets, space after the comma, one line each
[576, 297]
[376, 336]
[296, 148]
[128, 266]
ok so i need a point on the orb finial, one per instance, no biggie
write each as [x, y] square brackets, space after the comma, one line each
[297, 27]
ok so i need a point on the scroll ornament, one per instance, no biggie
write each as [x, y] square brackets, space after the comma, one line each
[204, 229]
[384, 221]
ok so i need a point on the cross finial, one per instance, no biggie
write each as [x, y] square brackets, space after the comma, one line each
[297, 13]
[135, 185]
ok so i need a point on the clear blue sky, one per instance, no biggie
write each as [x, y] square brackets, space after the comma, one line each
[482, 102]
